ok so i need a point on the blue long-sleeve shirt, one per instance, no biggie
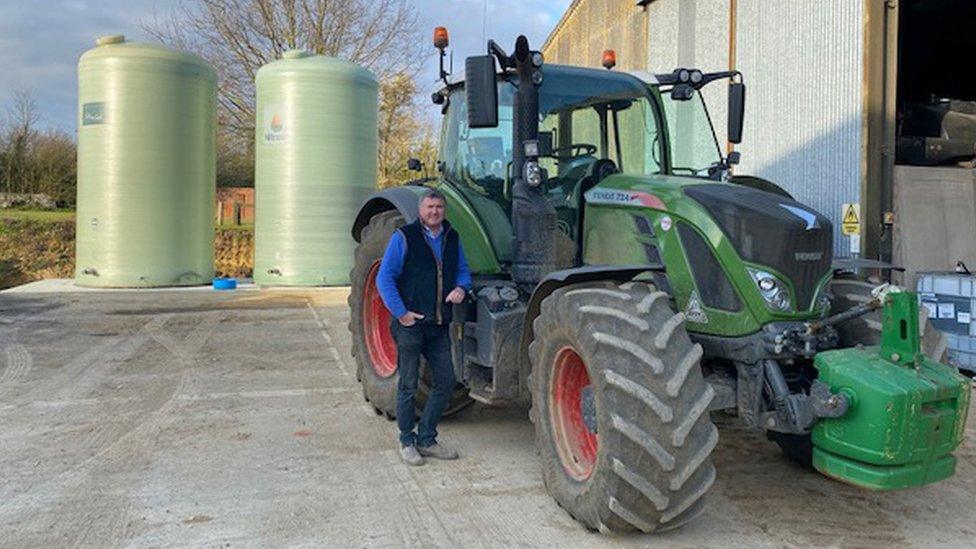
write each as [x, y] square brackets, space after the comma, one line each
[392, 265]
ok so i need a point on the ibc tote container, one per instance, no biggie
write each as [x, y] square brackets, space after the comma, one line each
[315, 164]
[146, 166]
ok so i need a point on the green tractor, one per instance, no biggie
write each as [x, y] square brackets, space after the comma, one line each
[626, 286]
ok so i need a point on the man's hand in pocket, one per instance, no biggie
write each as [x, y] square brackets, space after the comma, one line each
[410, 318]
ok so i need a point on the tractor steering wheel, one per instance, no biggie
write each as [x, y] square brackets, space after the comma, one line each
[584, 149]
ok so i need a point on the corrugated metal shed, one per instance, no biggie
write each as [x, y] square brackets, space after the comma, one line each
[803, 64]
[590, 26]
[689, 33]
[803, 67]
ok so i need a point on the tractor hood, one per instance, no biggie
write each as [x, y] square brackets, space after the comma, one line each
[772, 230]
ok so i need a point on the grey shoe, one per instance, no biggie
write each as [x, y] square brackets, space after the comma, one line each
[411, 456]
[437, 451]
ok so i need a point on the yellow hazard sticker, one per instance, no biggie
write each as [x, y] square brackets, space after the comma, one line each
[851, 219]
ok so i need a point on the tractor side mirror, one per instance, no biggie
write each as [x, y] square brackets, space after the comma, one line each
[737, 109]
[414, 165]
[481, 91]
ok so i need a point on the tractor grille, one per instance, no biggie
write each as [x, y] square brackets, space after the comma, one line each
[714, 287]
[772, 230]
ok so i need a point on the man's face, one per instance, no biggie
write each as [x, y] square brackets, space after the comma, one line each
[432, 212]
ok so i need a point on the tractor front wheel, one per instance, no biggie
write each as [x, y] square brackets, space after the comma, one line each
[620, 408]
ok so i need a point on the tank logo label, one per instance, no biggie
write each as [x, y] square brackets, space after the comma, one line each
[93, 114]
[274, 126]
[625, 198]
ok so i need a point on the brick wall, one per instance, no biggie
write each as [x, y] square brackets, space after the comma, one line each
[235, 206]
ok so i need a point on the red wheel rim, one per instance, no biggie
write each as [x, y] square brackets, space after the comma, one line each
[376, 328]
[576, 444]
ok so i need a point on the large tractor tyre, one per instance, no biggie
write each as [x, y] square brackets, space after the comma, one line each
[373, 346]
[620, 408]
[863, 330]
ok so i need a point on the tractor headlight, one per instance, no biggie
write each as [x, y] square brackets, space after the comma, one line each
[772, 290]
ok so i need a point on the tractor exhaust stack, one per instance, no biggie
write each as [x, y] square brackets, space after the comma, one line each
[533, 219]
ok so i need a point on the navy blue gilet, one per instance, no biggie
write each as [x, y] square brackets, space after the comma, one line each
[424, 282]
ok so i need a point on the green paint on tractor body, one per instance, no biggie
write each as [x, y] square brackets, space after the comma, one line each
[907, 413]
[610, 238]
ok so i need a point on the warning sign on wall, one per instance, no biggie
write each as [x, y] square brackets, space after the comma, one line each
[851, 219]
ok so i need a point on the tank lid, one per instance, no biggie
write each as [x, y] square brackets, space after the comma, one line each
[295, 54]
[110, 39]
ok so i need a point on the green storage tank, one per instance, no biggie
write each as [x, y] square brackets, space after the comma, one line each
[315, 164]
[146, 166]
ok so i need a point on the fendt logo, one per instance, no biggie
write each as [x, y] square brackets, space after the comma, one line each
[629, 198]
[808, 256]
[606, 195]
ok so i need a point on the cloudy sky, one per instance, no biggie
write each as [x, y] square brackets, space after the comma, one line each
[41, 40]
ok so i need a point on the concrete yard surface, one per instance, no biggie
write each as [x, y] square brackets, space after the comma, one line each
[208, 419]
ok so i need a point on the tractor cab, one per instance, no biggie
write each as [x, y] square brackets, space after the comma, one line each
[592, 124]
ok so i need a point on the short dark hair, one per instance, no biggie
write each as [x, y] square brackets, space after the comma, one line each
[433, 193]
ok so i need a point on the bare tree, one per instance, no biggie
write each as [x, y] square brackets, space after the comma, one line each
[53, 161]
[15, 142]
[239, 36]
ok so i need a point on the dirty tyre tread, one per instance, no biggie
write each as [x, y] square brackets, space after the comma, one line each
[381, 392]
[648, 476]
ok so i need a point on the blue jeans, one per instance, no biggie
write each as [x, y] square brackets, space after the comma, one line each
[434, 343]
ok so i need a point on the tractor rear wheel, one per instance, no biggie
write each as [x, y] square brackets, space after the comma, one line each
[620, 408]
[373, 346]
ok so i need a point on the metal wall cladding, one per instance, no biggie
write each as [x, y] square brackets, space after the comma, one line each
[802, 65]
[316, 147]
[591, 26]
[803, 68]
[692, 34]
[146, 169]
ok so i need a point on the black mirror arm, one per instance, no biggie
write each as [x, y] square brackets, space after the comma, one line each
[504, 60]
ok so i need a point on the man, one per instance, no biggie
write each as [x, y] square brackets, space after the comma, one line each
[422, 274]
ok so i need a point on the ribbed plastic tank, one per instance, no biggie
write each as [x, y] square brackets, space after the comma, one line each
[315, 164]
[146, 166]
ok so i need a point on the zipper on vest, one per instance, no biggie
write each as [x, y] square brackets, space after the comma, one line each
[440, 291]
[440, 279]
[440, 276]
